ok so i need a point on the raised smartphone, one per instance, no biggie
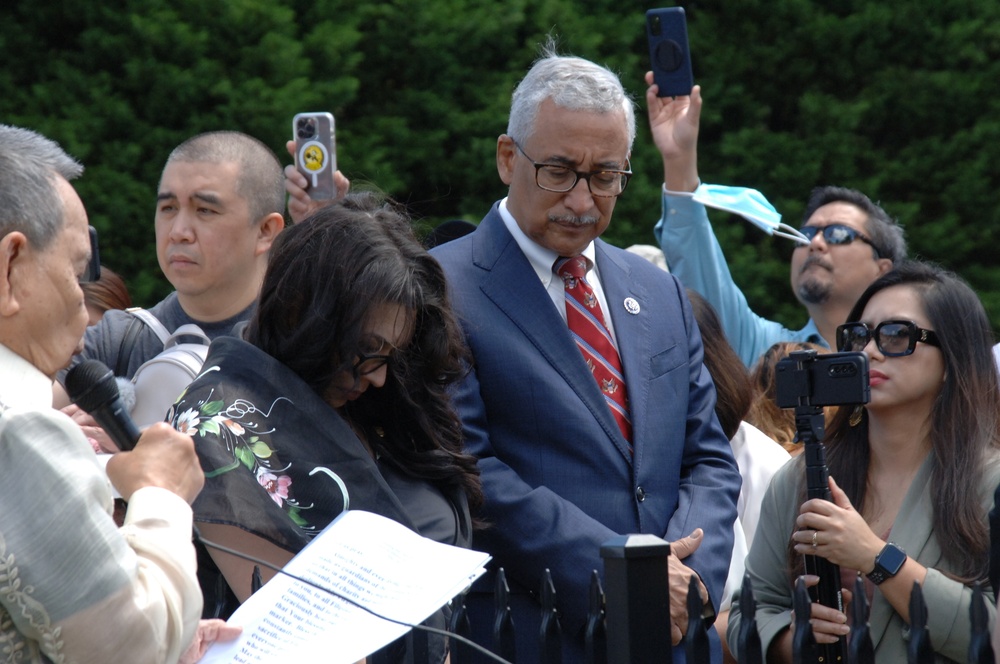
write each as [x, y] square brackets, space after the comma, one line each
[316, 152]
[669, 54]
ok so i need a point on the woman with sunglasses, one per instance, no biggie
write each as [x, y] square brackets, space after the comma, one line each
[912, 475]
[334, 399]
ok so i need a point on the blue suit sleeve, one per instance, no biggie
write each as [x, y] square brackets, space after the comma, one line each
[531, 528]
[709, 481]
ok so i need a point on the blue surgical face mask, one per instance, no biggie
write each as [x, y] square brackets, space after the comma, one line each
[749, 204]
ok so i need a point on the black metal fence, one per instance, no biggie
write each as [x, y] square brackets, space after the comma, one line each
[629, 621]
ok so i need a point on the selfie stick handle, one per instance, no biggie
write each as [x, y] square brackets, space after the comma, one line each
[809, 425]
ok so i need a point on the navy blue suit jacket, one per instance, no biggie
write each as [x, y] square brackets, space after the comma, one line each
[557, 473]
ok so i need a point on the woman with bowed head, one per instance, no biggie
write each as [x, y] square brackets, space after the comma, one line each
[912, 475]
[335, 398]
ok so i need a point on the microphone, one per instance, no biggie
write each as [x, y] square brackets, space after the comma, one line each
[91, 386]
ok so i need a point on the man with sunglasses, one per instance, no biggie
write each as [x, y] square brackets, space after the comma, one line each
[852, 242]
[587, 403]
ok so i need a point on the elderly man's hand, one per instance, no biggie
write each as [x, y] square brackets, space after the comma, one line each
[163, 457]
[209, 631]
[680, 579]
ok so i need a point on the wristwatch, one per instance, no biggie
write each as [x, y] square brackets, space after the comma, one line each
[888, 562]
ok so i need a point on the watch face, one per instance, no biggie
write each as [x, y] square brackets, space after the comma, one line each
[891, 559]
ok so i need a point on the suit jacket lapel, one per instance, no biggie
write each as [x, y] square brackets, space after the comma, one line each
[633, 333]
[512, 285]
[911, 531]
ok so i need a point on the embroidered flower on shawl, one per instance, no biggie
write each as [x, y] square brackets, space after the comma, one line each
[232, 425]
[243, 430]
[275, 485]
[187, 422]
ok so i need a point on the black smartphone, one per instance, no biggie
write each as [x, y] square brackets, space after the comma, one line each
[831, 379]
[316, 152]
[93, 272]
[669, 54]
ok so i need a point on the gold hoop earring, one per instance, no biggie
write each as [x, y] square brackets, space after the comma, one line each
[856, 415]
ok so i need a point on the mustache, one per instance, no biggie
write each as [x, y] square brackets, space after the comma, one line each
[814, 260]
[573, 220]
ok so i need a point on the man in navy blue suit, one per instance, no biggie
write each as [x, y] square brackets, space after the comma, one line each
[564, 468]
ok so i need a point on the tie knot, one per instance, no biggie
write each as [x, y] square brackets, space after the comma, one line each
[575, 267]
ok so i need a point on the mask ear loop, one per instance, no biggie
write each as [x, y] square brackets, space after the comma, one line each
[793, 234]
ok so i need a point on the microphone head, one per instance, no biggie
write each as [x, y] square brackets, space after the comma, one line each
[91, 384]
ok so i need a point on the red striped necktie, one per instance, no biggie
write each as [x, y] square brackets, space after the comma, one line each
[590, 330]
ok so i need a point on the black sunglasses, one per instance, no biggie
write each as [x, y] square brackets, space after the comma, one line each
[838, 234]
[894, 338]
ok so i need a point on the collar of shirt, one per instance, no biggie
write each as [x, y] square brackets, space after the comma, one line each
[811, 333]
[23, 386]
[543, 260]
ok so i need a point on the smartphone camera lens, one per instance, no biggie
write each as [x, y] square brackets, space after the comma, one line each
[306, 128]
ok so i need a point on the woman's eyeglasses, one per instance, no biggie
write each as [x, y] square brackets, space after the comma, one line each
[370, 363]
[838, 234]
[894, 338]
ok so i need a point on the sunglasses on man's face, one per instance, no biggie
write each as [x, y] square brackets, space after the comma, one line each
[837, 234]
[894, 338]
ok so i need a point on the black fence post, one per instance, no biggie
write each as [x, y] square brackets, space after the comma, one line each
[638, 599]
[696, 646]
[595, 636]
[256, 580]
[980, 648]
[919, 650]
[860, 649]
[549, 634]
[804, 650]
[749, 648]
[458, 624]
[503, 625]
[417, 647]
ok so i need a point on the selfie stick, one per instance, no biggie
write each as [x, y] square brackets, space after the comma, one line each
[809, 429]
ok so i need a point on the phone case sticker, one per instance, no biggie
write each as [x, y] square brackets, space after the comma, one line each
[314, 158]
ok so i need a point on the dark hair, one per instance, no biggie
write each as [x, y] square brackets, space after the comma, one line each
[884, 232]
[325, 277]
[732, 383]
[965, 417]
[261, 181]
[778, 423]
[108, 292]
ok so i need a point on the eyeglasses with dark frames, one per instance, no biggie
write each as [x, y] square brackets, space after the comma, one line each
[838, 234]
[607, 183]
[894, 338]
[370, 363]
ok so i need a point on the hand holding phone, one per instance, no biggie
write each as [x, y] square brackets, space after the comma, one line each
[669, 54]
[316, 152]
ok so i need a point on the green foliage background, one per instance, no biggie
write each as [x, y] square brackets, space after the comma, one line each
[896, 98]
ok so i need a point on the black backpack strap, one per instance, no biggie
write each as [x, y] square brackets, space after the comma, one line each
[128, 345]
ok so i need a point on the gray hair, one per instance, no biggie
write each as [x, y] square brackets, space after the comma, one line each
[571, 83]
[260, 181]
[29, 202]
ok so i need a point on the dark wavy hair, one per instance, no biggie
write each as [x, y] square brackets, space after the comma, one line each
[325, 276]
[965, 417]
[734, 393]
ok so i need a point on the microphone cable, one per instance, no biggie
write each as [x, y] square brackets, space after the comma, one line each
[431, 630]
